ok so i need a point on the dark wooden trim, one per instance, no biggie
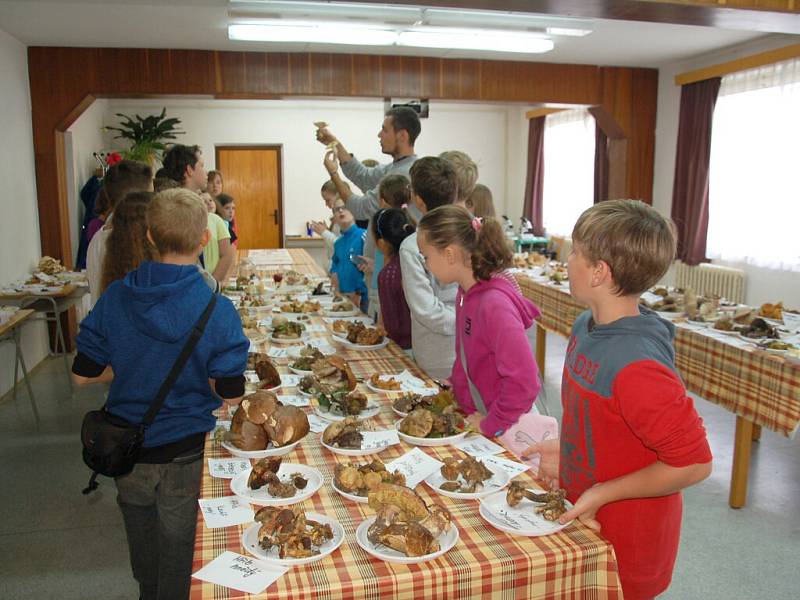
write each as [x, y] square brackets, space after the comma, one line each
[279, 149]
[65, 80]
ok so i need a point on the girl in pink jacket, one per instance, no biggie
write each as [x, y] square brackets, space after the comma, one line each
[494, 378]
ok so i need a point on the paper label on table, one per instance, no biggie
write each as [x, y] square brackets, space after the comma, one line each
[275, 352]
[224, 512]
[253, 348]
[651, 298]
[511, 467]
[227, 468]
[316, 328]
[294, 400]
[379, 439]
[317, 424]
[290, 380]
[251, 377]
[477, 445]
[322, 345]
[241, 573]
[416, 465]
[226, 425]
[265, 323]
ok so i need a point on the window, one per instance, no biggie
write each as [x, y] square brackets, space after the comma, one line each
[568, 187]
[754, 172]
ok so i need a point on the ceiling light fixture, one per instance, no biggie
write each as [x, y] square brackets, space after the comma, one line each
[312, 33]
[475, 39]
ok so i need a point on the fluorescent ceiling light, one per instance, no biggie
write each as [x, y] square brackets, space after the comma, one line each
[567, 31]
[475, 39]
[312, 33]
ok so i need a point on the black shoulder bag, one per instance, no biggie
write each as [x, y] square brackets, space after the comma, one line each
[111, 444]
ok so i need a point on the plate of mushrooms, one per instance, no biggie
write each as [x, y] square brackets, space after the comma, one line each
[273, 483]
[527, 512]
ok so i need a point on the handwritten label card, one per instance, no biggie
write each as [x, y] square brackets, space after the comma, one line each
[415, 465]
[316, 423]
[253, 348]
[251, 377]
[226, 425]
[511, 467]
[275, 352]
[294, 400]
[477, 445]
[316, 328]
[224, 512]
[379, 439]
[241, 573]
[227, 468]
[290, 380]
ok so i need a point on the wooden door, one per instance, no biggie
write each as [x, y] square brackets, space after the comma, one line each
[252, 175]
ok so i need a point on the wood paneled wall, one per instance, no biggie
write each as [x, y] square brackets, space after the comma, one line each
[64, 82]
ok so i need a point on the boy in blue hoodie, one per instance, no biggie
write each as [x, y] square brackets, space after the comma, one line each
[350, 245]
[131, 339]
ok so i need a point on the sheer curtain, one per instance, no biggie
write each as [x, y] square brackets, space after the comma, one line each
[754, 180]
[568, 169]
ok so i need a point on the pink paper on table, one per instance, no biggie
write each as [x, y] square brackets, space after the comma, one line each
[530, 429]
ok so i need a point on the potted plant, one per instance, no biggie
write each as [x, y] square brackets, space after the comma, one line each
[147, 135]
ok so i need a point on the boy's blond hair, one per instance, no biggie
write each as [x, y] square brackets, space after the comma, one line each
[176, 220]
[466, 172]
[634, 239]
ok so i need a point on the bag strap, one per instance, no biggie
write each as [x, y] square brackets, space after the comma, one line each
[183, 357]
[477, 400]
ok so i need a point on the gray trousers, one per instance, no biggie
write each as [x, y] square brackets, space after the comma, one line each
[159, 507]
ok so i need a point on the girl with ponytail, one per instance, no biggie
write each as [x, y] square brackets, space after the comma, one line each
[494, 377]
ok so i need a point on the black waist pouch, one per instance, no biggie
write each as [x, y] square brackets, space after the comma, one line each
[111, 444]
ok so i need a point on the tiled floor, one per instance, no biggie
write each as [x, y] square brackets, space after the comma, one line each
[57, 543]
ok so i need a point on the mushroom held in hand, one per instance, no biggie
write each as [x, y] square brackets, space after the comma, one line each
[553, 501]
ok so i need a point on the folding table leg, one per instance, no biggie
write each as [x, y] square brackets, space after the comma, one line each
[541, 348]
[24, 375]
[741, 462]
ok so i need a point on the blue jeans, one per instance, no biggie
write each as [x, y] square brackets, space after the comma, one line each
[159, 507]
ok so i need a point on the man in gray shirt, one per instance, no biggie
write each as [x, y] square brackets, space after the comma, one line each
[398, 133]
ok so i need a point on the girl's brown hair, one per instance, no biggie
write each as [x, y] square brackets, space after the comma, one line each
[395, 190]
[483, 239]
[480, 201]
[212, 174]
[128, 246]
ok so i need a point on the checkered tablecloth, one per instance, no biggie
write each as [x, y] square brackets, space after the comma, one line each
[486, 562]
[761, 387]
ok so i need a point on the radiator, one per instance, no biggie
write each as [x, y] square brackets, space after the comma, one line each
[708, 279]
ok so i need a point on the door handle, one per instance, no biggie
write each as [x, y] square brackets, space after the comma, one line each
[275, 216]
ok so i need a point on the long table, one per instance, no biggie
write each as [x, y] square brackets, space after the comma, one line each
[761, 389]
[485, 563]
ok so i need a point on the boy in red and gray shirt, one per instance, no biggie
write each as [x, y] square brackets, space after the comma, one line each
[631, 439]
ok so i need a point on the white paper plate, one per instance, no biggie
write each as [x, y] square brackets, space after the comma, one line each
[498, 481]
[350, 451]
[300, 371]
[351, 497]
[417, 441]
[446, 541]
[269, 451]
[370, 411]
[669, 315]
[301, 340]
[250, 543]
[294, 315]
[400, 414]
[346, 313]
[520, 520]
[351, 346]
[262, 497]
[404, 389]
[378, 390]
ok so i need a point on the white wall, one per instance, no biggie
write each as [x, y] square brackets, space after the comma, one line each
[763, 285]
[479, 129]
[20, 248]
[81, 140]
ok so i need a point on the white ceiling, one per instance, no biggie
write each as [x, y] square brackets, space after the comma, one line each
[202, 24]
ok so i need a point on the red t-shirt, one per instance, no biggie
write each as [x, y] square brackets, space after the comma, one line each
[624, 409]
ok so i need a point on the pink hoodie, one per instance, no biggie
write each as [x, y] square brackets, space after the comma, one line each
[492, 318]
